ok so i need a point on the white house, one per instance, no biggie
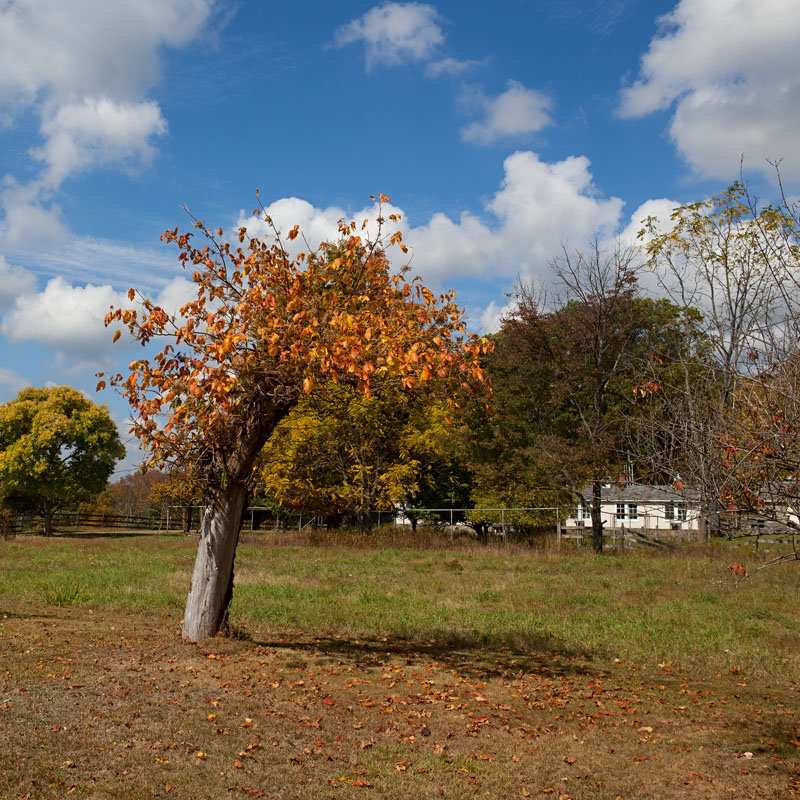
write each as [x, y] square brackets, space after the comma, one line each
[660, 511]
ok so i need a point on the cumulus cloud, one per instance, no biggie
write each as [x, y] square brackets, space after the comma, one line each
[55, 50]
[14, 281]
[28, 220]
[317, 224]
[65, 318]
[84, 67]
[543, 206]
[394, 33]
[539, 206]
[69, 319]
[11, 384]
[492, 316]
[517, 112]
[175, 294]
[98, 132]
[659, 208]
[731, 69]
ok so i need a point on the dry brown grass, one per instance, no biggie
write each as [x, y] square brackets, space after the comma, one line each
[115, 706]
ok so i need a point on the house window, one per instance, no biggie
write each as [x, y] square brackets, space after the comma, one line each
[620, 510]
[587, 512]
[669, 510]
[681, 515]
[633, 511]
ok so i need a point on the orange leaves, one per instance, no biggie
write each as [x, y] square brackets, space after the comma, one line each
[738, 571]
[266, 325]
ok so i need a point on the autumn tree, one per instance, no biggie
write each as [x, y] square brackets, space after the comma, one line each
[179, 488]
[265, 328]
[344, 453]
[729, 396]
[131, 495]
[56, 449]
[563, 375]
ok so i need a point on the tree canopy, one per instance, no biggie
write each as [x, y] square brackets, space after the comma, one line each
[345, 453]
[56, 449]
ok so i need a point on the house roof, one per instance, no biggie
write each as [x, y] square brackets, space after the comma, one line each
[641, 493]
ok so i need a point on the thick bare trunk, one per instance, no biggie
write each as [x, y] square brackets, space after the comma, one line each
[212, 580]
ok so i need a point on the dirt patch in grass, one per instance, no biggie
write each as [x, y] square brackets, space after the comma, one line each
[95, 704]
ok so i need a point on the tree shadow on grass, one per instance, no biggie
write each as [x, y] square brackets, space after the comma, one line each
[481, 660]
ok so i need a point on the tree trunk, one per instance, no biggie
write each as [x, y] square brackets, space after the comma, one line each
[597, 519]
[211, 588]
[47, 514]
[364, 520]
[212, 580]
[7, 523]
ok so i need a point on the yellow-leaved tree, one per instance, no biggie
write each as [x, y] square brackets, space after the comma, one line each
[346, 454]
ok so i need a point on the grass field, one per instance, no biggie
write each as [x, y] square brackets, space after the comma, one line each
[396, 672]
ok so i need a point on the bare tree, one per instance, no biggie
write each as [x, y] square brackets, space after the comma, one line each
[733, 266]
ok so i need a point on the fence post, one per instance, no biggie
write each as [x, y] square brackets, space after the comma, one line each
[558, 528]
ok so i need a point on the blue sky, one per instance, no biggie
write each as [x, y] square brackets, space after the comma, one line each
[501, 131]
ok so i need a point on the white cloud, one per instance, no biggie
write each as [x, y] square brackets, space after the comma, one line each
[518, 111]
[28, 221]
[70, 319]
[450, 66]
[393, 33]
[84, 67]
[65, 318]
[661, 209]
[50, 49]
[316, 224]
[98, 132]
[492, 316]
[11, 384]
[14, 281]
[175, 294]
[544, 205]
[732, 70]
[539, 207]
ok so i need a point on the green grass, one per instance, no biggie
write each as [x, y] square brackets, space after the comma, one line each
[678, 609]
[395, 672]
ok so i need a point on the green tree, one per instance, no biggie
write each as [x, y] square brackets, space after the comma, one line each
[564, 376]
[343, 453]
[56, 449]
